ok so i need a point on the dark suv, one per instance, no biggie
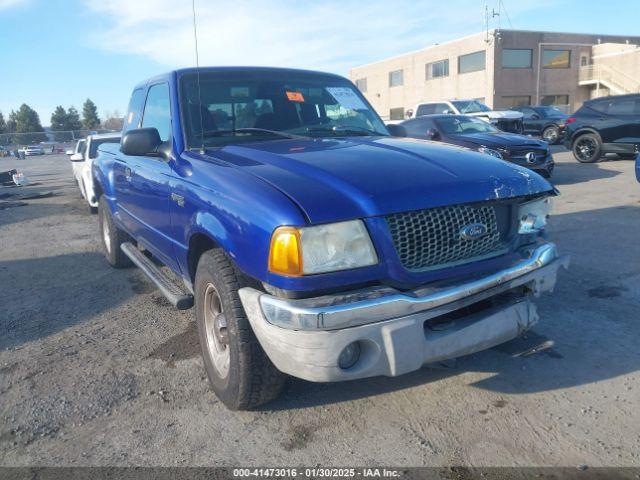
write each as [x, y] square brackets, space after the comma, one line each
[605, 125]
[546, 121]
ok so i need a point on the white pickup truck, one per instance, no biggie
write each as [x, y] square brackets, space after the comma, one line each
[82, 158]
[505, 120]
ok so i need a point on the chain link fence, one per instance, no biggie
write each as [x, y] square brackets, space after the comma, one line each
[50, 141]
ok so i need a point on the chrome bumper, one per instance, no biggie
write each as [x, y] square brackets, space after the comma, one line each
[304, 338]
[376, 304]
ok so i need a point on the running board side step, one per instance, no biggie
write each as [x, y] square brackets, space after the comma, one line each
[173, 293]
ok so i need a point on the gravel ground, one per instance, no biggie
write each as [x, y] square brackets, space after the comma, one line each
[96, 368]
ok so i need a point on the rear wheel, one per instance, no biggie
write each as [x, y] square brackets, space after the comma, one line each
[112, 237]
[240, 373]
[587, 148]
[551, 134]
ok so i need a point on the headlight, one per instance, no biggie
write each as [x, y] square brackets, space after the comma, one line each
[489, 151]
[319, 249]
[533, 215]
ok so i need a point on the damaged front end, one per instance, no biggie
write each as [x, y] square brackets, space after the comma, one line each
[394, 332]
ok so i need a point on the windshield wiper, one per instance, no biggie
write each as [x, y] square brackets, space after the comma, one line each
[234, 131]
[345, 129]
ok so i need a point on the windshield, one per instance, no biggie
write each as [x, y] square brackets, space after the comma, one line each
[236, 107]
[462, 125]
[470, 106]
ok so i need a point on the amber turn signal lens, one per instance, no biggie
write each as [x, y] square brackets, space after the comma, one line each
[285, 256]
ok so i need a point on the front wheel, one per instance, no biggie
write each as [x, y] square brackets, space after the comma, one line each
[240, 373]
[587, 148]
[551, 134]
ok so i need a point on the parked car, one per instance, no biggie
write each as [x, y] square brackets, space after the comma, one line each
[33, 150]
[605, 125]
[311, 242]
[81, 159]
[545, 121]
[478, 135]
[505, 120]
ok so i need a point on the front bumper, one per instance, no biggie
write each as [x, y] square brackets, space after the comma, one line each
[398, 332]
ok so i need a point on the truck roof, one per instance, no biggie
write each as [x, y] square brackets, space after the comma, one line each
[266, 70]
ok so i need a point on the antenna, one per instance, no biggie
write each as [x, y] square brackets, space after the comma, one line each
[195, 37]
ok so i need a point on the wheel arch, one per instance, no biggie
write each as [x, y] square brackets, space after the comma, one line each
[583, 131]
[199, 242]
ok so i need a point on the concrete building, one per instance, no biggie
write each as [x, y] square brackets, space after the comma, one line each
[503, 68]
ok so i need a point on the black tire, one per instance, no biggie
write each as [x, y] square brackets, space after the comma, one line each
[551, 134]
[250, 378]
[113, 235]
[587, 148]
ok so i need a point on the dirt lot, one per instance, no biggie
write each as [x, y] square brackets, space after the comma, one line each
[97, 369]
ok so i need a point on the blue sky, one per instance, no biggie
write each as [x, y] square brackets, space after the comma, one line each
[59, 52]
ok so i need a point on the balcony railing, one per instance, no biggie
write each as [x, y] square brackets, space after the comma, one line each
[609, 77]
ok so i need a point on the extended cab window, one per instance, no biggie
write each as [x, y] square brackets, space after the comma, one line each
[157, 112]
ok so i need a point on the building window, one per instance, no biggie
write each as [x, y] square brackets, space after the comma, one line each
[438, 69]
[361, 83]
[516, 58]
[554, 100]
[515, 100]
[556, 58]
[472, 62]
[396, 78]
[584, 60]
[396, 113]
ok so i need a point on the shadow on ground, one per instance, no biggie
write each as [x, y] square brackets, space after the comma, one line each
[41, 296]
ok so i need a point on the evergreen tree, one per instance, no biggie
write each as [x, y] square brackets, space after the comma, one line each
[28, 123]
[90, 118]
[73, 119]
[59, 119]
[4, 139]
[11, 122]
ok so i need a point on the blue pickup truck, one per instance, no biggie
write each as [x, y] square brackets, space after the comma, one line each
[309, 240]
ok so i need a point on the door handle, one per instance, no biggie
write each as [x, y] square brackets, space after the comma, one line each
[127, 173]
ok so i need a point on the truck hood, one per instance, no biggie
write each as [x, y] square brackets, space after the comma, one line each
[502, 114]
[499, 139]
[356, 177]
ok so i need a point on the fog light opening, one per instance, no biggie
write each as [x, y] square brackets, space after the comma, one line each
[349, 356]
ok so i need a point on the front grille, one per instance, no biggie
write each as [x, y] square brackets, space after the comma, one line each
[431, 239]
[519, 153]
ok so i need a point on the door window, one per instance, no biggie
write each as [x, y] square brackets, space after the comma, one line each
[157, 111]
[628, 106]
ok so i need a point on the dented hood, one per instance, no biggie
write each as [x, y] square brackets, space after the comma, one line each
[339, 179]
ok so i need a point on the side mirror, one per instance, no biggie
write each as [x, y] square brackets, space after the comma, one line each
[448, 112]
[77, 157]
[69, 152]
[535, 116]
[397, 130]
[432, 134]
[141, 142]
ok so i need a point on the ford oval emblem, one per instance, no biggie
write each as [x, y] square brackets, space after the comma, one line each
[473, 231]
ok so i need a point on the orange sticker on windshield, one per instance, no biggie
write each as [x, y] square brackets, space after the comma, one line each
[295, 97]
